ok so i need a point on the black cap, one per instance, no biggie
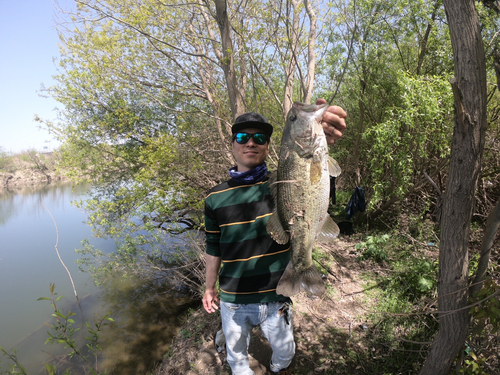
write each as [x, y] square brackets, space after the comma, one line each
[252, 120]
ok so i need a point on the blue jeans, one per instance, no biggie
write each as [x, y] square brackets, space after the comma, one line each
[276, 326]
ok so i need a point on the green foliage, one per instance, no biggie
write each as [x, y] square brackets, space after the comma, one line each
[398, 291]
[411, 275]
[415, 134]
[146, 109]
[396, 91]
[137, 254]
[64, 333]
[485, 329]
[374, 248]
[488, 307]
[417, 279]
[473, 364]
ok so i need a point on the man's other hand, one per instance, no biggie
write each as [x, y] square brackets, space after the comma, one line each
[333, 122]
[209, 300]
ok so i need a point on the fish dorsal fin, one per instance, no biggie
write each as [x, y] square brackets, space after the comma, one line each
[333, 167]
[274, 227]
[329, 232]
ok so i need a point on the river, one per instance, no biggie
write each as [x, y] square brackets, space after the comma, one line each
[29, 263]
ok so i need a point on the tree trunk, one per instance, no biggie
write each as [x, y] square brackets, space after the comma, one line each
[425, 39]
[292, 34]
[311, 55]
[235, 98]
[469, 86]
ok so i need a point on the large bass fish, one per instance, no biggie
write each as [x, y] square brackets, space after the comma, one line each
[301, 191]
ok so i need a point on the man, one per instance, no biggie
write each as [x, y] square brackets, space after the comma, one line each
[236, 215]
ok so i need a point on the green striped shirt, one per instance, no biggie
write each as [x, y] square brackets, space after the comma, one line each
[252, 263]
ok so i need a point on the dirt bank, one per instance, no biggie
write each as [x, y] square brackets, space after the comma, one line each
[27, 177]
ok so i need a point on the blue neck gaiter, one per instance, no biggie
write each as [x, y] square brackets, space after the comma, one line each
[249, 177]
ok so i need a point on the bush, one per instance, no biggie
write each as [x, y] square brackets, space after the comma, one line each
[5, 160]
[374, 248]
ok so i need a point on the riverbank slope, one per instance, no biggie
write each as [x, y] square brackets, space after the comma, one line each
[28, 177]
[322, 327]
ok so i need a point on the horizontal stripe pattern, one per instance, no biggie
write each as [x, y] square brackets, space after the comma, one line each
[236, 217]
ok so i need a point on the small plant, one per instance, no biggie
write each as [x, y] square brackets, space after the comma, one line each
[374, 248]
[15, 367]
[489, 308]
[480, 353]
[64, 333]
[473, 365]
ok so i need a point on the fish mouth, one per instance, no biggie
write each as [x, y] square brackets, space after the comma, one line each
[308, 107]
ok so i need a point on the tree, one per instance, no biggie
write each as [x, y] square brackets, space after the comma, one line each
[150, 89]
[396, 91]
[469, 86]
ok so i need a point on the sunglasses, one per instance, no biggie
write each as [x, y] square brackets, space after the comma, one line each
[258, 138]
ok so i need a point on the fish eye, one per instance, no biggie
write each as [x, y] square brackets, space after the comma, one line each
[292, 118]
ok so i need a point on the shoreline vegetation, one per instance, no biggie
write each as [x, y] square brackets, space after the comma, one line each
[29, 168]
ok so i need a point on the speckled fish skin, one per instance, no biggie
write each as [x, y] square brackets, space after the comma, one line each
[301, 190]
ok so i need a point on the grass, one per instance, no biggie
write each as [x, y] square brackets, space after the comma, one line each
[399, 283]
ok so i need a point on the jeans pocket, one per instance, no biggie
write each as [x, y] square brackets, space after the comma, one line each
[231, 306]
[285, 312]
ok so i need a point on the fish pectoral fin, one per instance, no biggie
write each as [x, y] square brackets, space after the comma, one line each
[329, 232]
[292, 282]
[275, 229]
[333, 167]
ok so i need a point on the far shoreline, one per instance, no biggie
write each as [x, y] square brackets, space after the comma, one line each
[19, 179]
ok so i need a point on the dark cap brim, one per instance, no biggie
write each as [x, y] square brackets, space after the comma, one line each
[265, 127]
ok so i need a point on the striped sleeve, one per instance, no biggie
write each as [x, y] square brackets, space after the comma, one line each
[212, 231]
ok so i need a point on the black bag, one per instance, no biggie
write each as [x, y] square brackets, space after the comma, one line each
[356, 204]
[332, 189]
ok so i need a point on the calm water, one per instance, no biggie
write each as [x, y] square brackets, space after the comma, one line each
[28, 259]
[29, 264]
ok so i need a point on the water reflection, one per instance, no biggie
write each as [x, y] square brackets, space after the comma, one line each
[147, 313]
[18, 200]
[148, 318]
[29, 262]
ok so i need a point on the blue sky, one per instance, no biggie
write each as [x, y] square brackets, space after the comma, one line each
[28, 44]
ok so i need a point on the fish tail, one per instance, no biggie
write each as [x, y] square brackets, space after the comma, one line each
[292, 282]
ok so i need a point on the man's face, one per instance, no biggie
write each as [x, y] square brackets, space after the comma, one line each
[250, 154]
